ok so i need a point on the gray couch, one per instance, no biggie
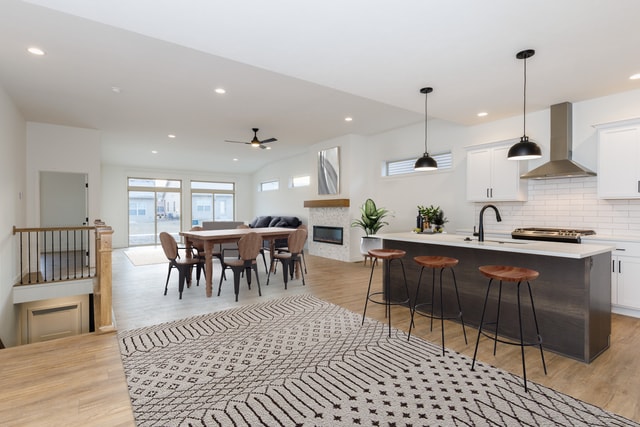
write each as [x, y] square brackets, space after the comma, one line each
[276, 221]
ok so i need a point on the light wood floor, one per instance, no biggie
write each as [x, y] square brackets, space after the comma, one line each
[79, 381]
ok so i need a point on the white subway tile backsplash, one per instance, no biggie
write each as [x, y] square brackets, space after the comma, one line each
[570, 203]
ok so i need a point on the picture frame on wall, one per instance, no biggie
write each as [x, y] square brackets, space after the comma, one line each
[329, 171]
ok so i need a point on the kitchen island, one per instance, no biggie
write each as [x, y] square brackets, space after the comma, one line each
[572, 294]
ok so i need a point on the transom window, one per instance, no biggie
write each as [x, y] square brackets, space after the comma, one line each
[405, 166]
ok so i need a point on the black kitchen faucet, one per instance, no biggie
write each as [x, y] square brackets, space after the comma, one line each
[481, 221]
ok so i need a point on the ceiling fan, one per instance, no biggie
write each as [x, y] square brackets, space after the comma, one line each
[255, 142]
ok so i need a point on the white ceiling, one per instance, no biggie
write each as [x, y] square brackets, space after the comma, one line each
[295, 69]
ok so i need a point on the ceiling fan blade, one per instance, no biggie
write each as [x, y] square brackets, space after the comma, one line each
[237, 142]
[266, 141]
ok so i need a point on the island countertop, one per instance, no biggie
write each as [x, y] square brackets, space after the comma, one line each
[533, 247]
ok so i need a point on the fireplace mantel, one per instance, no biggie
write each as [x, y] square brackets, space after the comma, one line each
[327, 203]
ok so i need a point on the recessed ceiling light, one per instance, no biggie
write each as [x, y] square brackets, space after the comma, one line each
[171, 136]
[220, 91]
[483, 114]
[635, 77]
[235, 160]
[348, 119]
[268, 148]
[154, 151]
[35, 51]
[115, 89]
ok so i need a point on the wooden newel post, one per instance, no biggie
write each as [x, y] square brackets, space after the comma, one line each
[102, 282]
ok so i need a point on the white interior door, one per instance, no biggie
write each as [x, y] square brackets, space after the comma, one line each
[63, 199]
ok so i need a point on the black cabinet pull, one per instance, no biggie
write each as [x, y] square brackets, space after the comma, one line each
[613, 265]
[619, 266]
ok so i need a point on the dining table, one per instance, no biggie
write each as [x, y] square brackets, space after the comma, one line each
[210, 238]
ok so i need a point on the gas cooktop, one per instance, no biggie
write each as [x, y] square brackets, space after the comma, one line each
[551, 234]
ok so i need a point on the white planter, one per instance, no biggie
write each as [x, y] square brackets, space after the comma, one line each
[367, 243]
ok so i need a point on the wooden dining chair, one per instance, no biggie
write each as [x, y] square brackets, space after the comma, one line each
[295, 243]
[264, 259]
[248, 249]
[286, 248]
[184, 266]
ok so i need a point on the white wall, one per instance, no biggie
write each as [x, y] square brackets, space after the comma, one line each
[62, 149]
[12, 198]
[115, 198]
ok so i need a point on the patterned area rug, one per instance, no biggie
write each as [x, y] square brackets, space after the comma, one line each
[300, 361]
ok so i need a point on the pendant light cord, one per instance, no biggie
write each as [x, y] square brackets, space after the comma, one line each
[425, 122]
[524, 106]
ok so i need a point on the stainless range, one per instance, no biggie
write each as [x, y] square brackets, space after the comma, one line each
[551, 234]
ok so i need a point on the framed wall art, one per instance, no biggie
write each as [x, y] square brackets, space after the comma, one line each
[329, 171]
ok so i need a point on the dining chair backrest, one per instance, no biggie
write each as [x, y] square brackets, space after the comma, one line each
[297, 240]
[169, 245]
[249, 246]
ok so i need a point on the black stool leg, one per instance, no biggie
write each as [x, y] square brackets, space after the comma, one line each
[387, 291]
[455, 285]
[524, 369]
[495, 338]
[535, 320]
[406, 285]
[368, 292]
[415, 302]
[484, 309]
[433, 297]
[441, 312]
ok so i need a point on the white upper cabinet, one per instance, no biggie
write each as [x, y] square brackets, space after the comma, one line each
[619, 160]
[493, 177]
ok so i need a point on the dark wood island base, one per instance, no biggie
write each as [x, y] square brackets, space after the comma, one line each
[572, 295]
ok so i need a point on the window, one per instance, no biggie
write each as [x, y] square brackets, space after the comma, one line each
[300, 181]
[270, 185]
[154, 206]
[212, 201]
[400, 167]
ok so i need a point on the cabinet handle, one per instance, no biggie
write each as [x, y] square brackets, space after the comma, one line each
[488, 191]
[638, 186]
[613, 265]
[619, 267]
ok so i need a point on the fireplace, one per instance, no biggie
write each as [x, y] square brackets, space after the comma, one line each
[324, 234]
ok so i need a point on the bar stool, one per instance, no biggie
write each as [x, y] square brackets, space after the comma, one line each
[513, 275]
[435, 262]
[387, 256]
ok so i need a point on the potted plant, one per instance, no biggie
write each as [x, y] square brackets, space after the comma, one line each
[439, 220]
[371, 220]
[428, 214]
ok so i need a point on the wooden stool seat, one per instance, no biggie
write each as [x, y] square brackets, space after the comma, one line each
[387, 254]
[508, 273]
[435, 261]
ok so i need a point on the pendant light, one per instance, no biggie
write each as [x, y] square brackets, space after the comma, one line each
[525, 149]
[426, 162]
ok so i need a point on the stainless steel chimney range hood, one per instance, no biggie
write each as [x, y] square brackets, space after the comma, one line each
[560, 164]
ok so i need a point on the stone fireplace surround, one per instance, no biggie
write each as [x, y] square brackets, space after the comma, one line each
[330, 213]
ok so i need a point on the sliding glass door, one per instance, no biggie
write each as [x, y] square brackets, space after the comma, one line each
[154, 206]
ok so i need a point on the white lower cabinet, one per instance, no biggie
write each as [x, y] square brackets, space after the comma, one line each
[626, 270]
[625, 277]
